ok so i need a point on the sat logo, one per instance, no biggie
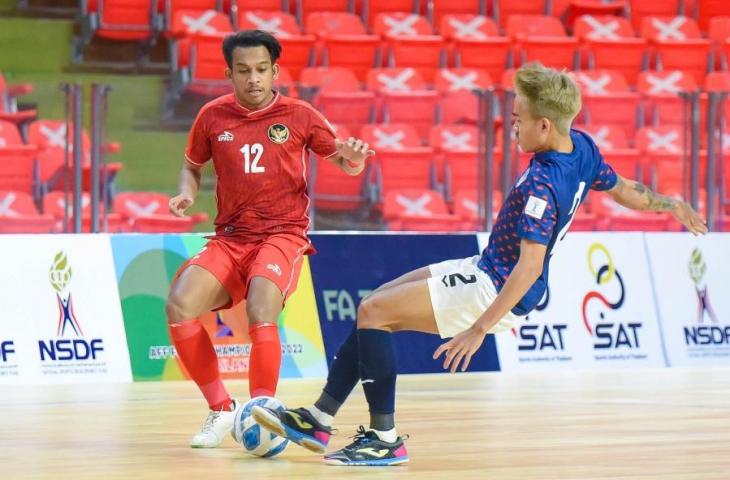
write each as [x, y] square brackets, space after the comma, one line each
[607, 334]
[64, 349]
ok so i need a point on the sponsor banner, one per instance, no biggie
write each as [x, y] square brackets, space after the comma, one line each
[348, 267]
[690, 276]
[62, 322]
[598, 311]
[145, 268]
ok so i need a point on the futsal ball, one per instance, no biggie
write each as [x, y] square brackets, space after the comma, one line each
[257, 440]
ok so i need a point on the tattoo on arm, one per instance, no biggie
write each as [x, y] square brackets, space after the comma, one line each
[652, 200]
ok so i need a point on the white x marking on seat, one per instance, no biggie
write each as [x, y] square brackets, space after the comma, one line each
[601, 138]
[401, 27]
[669, 31]
[667, 84]
[469, 29]
[200, 24]
[57, 137]
[601, 30]
[271, 25]
[389, 140]
[595, 86]
[399, 82]
[456, 141]
[657, 141]
[464, 82]
[6, 204]
[416, 206]
[140, 210]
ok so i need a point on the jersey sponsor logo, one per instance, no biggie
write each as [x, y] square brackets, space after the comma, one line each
[274, 268]
[226, 136]
[278, 133]
[535, 207]
[374, 453]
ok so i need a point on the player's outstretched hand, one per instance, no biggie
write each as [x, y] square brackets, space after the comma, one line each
[179, 204]
[459, 348]
[686, 215]
[354, 149]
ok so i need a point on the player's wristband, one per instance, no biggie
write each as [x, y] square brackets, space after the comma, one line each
[352, 164]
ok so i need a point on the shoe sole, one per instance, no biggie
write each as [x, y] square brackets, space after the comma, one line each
[386, 462]
[273, 424]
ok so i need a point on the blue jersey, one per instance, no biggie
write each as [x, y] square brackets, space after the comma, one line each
[540, 207]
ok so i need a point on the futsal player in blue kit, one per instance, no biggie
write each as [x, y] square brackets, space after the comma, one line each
[493, 291]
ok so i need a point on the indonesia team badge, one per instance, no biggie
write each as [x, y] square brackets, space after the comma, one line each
[278, 133]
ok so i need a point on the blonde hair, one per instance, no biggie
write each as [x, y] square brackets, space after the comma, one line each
[549, 94]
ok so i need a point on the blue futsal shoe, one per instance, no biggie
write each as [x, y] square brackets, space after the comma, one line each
[368, 449]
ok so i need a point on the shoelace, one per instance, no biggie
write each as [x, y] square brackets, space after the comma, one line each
[362, 436]
[212, 417]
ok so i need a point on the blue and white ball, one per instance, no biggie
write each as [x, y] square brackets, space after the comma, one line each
[257, 440]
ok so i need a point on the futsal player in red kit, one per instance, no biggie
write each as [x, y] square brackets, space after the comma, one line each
[258, 141]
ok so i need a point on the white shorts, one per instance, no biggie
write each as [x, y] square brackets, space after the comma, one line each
[460, 293]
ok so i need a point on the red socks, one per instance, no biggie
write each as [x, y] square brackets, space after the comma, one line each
[265, 361]
[196, 352]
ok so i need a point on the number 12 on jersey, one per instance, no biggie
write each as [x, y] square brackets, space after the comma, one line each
[255, 150]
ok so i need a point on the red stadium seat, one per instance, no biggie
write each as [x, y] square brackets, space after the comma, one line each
[661, 89]
[9, 105]
[410, 43]
[297, 52]
[639, 9]
[19, 169]
[284, 83]
[467, 26]
[121, 20]
[306, 7]
[16, 204]
[418, 210]
[410, 168]
[461, 168]
[268, 5]
[543, 38]
[349, 109]
[277, 23]
[344, 41]
[149, 212]
[443, 8]
[505, 9]
[334, 23]
[372, 8]
[641, 222]
[607, 100]
[197, 22]
[578, 8]
[710, 9]
[54, 203]
[394, 79]
[664, 140]
[626, 162]
[584, 222]
[401, 24]
[329, 79]
[458, 102]
[491, 54]
[417, 108]
[9, 134]
[454, 137]
[609, 43]
[390, 136]
[18, 214]
[157, 223]
[466, 205]
[678, 45]
[719, 82]
[606, 137]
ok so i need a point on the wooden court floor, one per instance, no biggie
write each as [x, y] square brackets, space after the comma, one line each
[640, 424]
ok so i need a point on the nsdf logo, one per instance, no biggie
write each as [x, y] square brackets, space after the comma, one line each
[707, 331]
[541, 336]
[607, 299]
[67, 349]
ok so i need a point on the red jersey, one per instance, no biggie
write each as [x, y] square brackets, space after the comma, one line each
[260, 159]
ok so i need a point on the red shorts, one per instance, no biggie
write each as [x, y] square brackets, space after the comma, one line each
[234, 263]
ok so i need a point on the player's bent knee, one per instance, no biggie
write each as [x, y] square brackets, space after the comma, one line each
[261, 313]
[179, 309]
[370, 314]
